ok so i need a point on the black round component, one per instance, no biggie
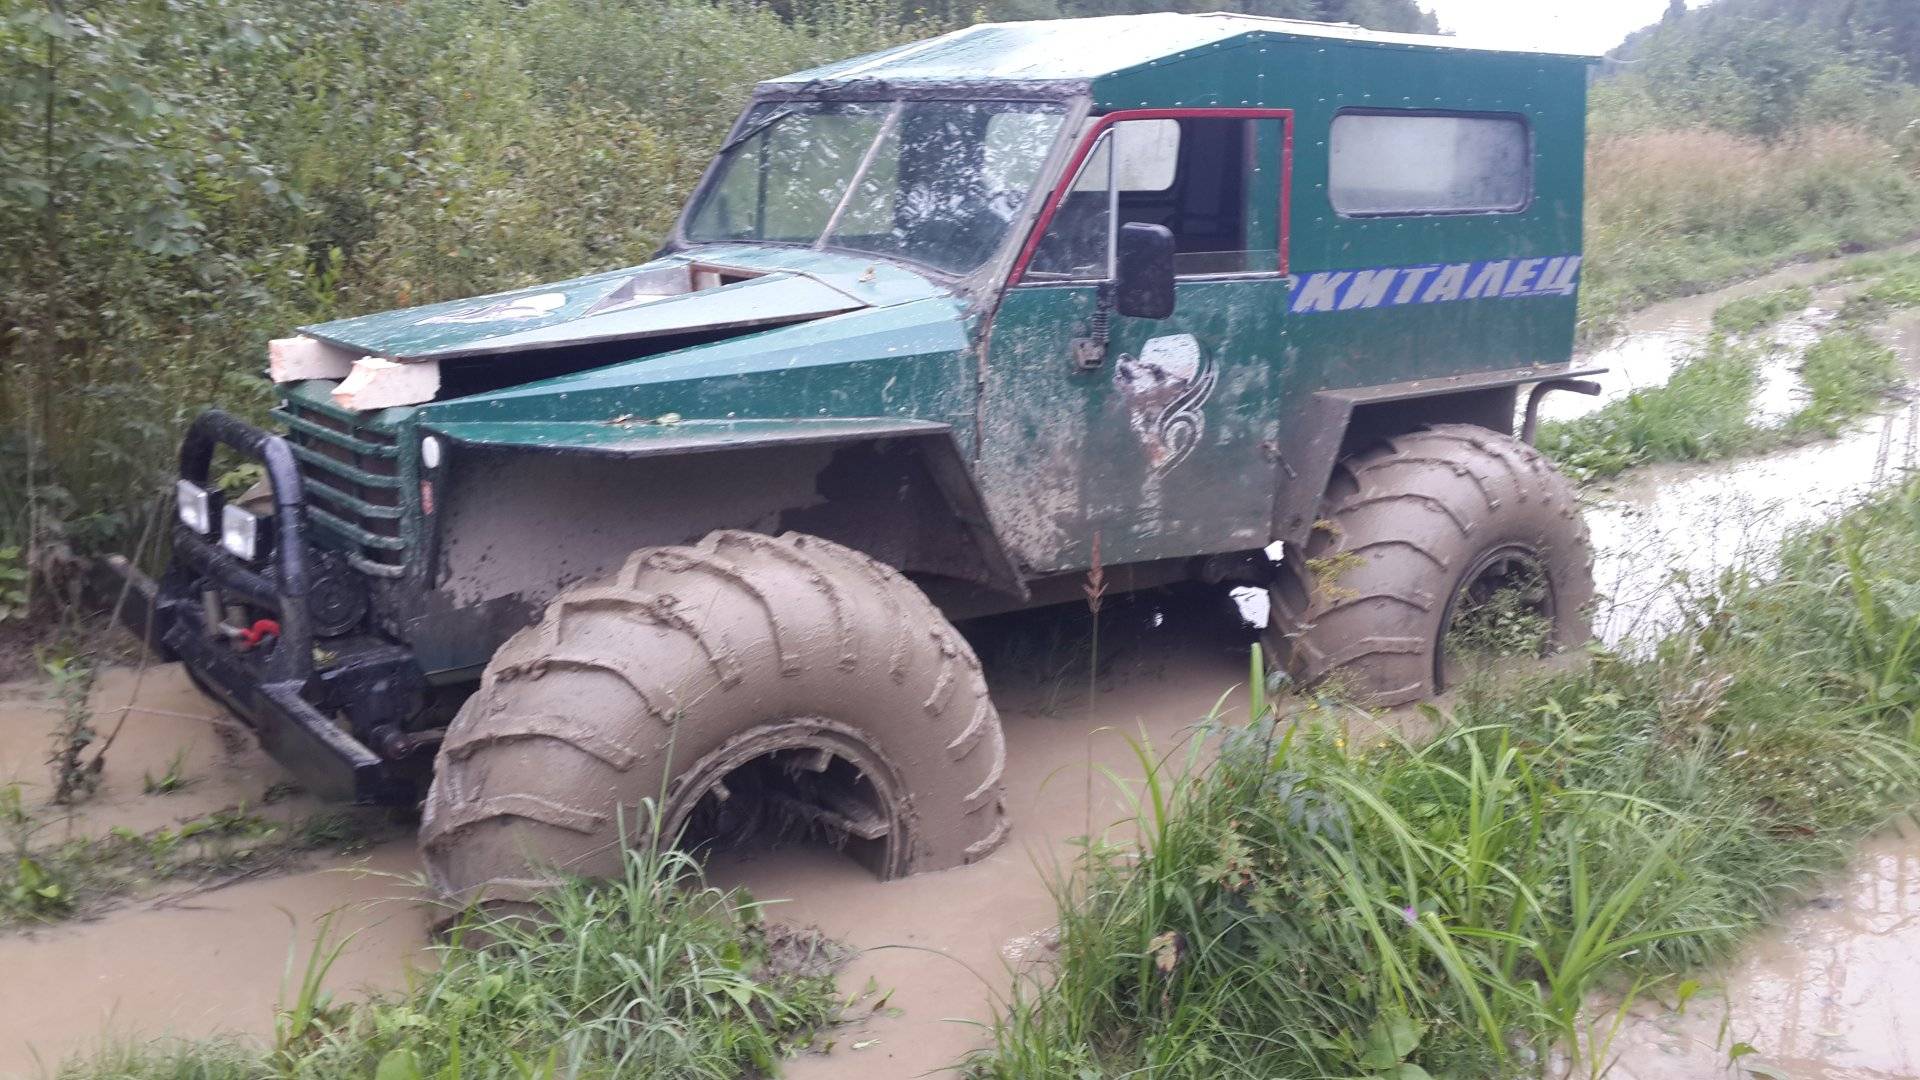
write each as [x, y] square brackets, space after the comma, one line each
[336, 598]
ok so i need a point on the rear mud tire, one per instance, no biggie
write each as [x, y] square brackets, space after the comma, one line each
[650, 689]
[1404, 528]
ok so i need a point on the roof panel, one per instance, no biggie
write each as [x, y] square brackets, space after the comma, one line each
[1082, 49]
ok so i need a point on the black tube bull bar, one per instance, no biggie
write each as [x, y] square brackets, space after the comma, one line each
[278, 687]
[287, 596]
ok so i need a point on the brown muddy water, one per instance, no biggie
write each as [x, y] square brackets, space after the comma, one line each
[1833, 992]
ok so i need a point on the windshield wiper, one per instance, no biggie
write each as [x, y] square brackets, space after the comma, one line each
[757, 127]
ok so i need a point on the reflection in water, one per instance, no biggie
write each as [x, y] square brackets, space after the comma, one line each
[1668, 533]
[1826, 995]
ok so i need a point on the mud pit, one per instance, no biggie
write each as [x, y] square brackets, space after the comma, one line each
[1826, 994]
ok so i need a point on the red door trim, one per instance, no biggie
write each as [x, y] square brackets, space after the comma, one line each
[1107, 120]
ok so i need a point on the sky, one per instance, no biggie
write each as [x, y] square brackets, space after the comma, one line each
[1586, 26]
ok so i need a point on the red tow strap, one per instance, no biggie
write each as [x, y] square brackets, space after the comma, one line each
[258, 632]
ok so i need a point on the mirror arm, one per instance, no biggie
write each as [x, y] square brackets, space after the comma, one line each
[1090, 351]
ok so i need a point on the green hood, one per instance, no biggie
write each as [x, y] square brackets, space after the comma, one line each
[715, 289]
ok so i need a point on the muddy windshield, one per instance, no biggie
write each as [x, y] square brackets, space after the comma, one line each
[932, 182]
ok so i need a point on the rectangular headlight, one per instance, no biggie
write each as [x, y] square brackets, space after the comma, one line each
[240, 532]
[195, 504]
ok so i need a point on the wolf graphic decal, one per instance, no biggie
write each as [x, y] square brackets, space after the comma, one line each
[1165, 388]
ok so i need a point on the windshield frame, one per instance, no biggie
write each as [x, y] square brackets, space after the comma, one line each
[1070, 97]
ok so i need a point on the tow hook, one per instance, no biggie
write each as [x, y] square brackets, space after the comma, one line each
[397, 745]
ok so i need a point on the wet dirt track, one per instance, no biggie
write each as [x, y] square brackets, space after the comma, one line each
[1828, 994]
[191, 958]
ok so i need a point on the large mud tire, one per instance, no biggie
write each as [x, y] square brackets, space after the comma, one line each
[1404, 527]
[692, 661]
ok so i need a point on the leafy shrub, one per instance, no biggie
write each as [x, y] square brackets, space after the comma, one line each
[214, 172]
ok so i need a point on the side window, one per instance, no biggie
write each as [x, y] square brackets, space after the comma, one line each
[1191, 174]
[1425, 163]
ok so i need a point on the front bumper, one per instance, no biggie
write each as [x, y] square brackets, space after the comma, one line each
[316, 705]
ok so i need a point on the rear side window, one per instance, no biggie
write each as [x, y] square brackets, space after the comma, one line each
[1429, 163]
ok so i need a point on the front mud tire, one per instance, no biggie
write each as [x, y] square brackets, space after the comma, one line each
[1404, 528]
[792, 656]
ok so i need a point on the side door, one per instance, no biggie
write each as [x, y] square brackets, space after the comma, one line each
[1151, 437]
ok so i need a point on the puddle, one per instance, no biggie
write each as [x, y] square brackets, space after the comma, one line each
[1669, 531]
[1698, 520]
[1828, 994]
[213, 963]
[1654, 340]
[948, 943]
[1644, 359]
[200, 964]
[169, 726]
[1781, 393]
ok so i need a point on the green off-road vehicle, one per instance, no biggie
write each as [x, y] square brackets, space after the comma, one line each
[942, 328]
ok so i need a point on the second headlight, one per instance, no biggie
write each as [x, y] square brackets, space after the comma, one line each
[241, 533]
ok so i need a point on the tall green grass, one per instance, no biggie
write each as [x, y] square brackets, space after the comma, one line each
[1677, 211]
[1309, 906]
[653, 974]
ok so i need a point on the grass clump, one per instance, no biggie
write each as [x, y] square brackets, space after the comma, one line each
[1896, 289]
[1846, 374]
[1306, 906]
[1751, 313]
[1701, 413]
[653, 974]
[1873, 265]
[47, 882]
[1705, 409]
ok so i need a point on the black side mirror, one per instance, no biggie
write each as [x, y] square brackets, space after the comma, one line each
[1143, 286]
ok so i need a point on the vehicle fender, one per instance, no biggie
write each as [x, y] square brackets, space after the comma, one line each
[1332, 423]
[898, 489]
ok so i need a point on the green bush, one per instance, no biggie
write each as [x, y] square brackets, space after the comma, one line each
[181, 180]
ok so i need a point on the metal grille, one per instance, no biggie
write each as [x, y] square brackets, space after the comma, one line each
[353, 484]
